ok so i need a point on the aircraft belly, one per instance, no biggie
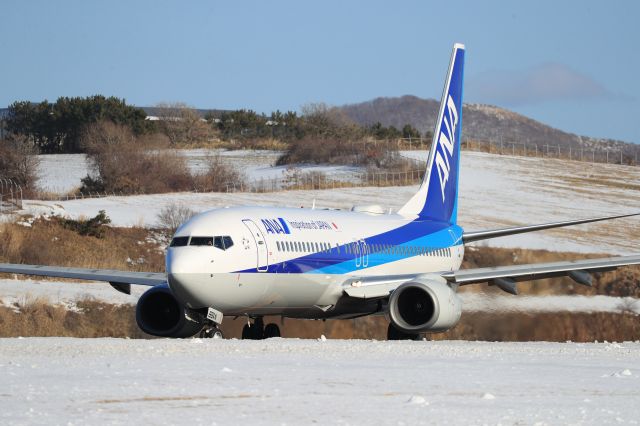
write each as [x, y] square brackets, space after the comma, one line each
[302, 290]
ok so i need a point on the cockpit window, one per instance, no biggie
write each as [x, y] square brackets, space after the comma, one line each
[217, 242]
[228, 242]
[179, 242]
[221, 242]
[201, 241]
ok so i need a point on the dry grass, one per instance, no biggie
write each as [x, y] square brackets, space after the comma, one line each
[38, 318]
[49, 243]
[270, 144]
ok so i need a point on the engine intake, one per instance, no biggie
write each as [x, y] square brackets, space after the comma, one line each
[424, 305]
[159, 313]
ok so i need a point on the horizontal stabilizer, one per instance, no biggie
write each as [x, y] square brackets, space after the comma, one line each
[469, 237]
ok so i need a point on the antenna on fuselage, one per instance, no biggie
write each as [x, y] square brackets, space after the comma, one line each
[313, 206]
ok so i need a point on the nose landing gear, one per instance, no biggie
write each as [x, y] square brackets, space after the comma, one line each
[257, 330]
[211, 331]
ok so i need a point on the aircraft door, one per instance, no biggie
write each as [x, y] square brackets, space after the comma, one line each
[356, 252]
[261, 245]
[361, 252]
[365, 253]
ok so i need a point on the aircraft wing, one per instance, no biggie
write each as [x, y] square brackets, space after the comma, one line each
[469, 237]
[120, 280]
[505, 277]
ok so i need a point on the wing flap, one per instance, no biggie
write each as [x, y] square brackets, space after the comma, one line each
[538, 271]
[107, 275]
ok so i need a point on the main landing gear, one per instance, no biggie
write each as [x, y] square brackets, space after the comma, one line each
[257, 330]
[395, 334]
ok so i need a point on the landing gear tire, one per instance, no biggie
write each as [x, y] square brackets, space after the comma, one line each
[394, 334]
[211, 333]
[247, 332]
[271, 330]
[253, 331]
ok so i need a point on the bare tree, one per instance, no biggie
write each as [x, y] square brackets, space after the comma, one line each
[119, 163]
[172, 216]
[19, 161]
[181, 123]
[218, 175]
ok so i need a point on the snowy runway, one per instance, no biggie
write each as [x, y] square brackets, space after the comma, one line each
[290, 381]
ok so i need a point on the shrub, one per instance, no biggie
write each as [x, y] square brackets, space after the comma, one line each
[93, 227]
[18, 162]
[120, 162]
[174, 215]
[182, 124]
[332, 150]
[217, 176]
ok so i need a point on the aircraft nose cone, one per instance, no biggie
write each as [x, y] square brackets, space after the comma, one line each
[178, 262]
[184, 278]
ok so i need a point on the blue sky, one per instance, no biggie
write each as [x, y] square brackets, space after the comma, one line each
[571, 64]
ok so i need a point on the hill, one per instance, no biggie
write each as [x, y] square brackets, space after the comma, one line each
[481, 122]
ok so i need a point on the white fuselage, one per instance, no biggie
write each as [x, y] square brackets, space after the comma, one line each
[294, 262]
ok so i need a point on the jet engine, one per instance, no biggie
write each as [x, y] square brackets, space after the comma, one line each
[424, 305]
[160, 314]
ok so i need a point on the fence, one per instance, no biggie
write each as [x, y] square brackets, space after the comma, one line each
[618, 156]
[314, 180]
[10, 195]
[607, 155]
[317, 180]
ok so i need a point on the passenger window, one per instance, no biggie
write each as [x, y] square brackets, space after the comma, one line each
[179, 242]
[228, 242]
[201, 241]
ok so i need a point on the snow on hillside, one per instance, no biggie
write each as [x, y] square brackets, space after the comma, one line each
[495, 191]
[292, 381]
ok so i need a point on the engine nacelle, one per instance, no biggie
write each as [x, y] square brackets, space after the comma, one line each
[160, 314]
[424, 305]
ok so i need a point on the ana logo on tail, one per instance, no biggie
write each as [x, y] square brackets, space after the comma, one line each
[446, 142]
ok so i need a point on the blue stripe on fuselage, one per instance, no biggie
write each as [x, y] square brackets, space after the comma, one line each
[418, 233]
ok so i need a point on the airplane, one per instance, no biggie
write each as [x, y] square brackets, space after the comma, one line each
[253, 262]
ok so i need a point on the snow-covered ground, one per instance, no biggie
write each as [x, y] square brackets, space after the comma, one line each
[495, 191]
[61, 173]
[291, 381]
[18, 291]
